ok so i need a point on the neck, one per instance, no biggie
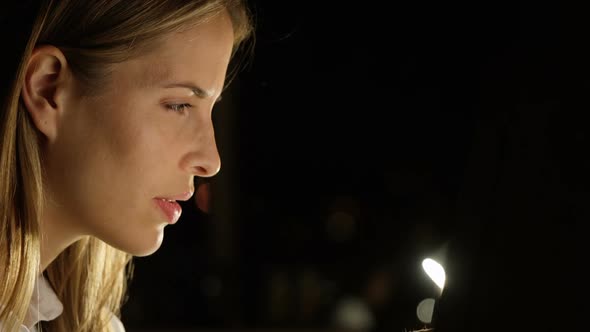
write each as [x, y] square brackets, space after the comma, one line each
[56, 234]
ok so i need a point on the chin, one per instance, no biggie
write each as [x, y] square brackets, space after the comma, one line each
[143, 253]
[141, 246]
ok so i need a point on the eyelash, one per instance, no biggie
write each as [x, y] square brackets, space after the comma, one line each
[179, 108]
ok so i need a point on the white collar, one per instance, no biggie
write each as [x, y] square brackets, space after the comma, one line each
[45, 306]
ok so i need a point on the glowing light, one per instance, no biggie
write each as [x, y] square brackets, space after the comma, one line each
[435, 271]
[425, 310]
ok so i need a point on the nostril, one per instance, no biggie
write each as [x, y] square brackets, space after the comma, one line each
[201, 165]
[200, 170]
[206, 170]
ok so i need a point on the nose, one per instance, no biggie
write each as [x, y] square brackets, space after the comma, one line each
[203, 159]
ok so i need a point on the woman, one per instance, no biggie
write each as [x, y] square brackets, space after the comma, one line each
[105, 123]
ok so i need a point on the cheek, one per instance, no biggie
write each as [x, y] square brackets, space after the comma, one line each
[136, 156]
[131, 136]
[134, 144]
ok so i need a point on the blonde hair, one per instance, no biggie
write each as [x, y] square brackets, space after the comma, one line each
[90, 276]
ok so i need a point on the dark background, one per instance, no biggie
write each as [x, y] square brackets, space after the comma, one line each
[362, 138]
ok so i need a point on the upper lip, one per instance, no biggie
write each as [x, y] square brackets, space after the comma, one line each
[185, 196]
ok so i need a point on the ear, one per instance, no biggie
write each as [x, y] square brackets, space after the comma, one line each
[43, 89]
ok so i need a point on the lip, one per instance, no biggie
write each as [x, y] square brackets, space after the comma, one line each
[185, 196]
[170, 209]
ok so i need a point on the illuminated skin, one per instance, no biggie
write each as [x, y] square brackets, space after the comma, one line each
[108, 157]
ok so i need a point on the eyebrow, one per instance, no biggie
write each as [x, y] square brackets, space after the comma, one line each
[197, 91]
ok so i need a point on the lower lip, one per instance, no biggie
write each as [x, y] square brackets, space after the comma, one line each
[172, 210]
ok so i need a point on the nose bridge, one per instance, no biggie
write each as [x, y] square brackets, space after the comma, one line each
[203, 158]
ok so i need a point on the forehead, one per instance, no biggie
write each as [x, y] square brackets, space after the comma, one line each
[200, 53]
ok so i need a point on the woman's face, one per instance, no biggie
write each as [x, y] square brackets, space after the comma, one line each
[119, 156]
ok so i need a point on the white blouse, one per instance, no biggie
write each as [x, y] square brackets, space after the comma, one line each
[45, 306]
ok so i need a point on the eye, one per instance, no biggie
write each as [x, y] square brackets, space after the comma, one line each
[179, 108]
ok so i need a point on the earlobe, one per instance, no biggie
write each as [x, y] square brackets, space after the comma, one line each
[43, 83]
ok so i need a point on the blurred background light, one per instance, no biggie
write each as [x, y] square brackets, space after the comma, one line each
[425, 310]
[435, 271]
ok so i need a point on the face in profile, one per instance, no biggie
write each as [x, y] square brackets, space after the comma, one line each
[122, 157]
